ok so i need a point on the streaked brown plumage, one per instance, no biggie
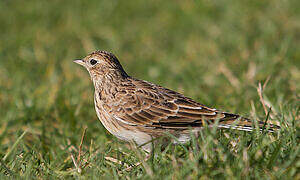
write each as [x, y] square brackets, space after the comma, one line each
[137, 110]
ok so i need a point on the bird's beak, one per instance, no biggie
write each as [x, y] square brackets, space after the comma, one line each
[79, 61]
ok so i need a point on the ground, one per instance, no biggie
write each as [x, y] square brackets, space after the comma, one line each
[216, 52]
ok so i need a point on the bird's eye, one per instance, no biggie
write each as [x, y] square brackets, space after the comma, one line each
[93, 61]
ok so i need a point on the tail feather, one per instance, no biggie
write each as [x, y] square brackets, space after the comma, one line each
[234, 121]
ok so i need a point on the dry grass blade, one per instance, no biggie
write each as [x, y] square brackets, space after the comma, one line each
[260, 91]
[266, 82]
[229, 75]
[75, 164]
[80, 146]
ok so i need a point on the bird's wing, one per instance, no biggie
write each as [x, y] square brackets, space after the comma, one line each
[142, 103]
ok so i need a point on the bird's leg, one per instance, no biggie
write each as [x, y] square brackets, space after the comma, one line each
[114, 160]
[147, 149]
[128, 167]
[139, 163]
[133, 147]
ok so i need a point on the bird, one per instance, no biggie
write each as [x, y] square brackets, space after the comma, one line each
[138, 111]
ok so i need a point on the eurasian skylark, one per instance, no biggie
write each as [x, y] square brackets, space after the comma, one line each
[139, 111]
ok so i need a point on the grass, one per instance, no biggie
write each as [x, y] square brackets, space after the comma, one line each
[216, 52]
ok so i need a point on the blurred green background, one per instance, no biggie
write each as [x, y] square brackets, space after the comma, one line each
[215, 52]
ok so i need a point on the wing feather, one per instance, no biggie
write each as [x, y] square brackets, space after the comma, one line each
[154, 106]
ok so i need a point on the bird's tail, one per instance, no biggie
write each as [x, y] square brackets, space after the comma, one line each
[234, 121]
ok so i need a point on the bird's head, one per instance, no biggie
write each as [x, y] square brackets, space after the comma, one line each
[102, 63]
